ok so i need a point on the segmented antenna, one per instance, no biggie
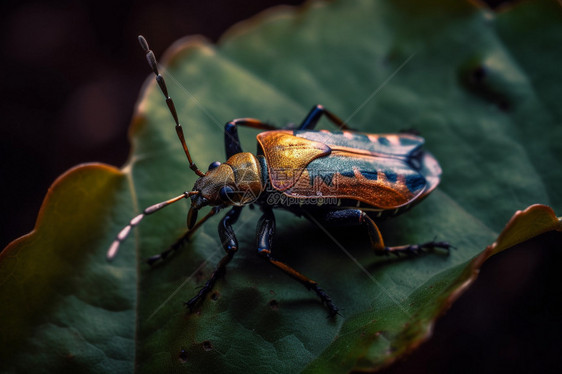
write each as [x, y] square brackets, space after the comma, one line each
[135, 221]
[154, 66]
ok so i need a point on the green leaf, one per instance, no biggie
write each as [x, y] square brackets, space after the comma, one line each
[469, 80]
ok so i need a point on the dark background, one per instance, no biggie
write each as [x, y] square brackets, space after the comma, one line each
[71, 73]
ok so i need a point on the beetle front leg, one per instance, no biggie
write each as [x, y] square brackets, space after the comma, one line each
[232, 141]
[266, 230]
[230, 245]
[184, 238]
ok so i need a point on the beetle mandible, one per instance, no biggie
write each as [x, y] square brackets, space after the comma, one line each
[341, 178]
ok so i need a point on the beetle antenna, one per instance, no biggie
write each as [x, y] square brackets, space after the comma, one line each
[135, 221]
[151, 59]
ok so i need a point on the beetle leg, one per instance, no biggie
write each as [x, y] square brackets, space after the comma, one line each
[171, 249]
[410, 249]
[230, 245]
[266, 230]
[185, 237]
[353, 217]
[232, 141]
[314, 115]
[415, 249]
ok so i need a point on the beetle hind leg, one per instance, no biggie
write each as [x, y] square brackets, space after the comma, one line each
[356, 217]
[415, 249]
[232, 141]
[312, 118]
[266, 229]
[410, 249]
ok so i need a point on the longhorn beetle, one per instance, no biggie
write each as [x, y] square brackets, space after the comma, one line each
[340, 178]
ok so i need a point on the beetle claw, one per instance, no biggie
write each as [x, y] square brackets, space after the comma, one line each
[433, 244]
[326, 300]
[415, 250]
[333, 313]
[191, 303]
[153, 259]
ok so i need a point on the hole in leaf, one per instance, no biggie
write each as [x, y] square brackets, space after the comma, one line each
[207, 346]
[215, 296]
[274, 305]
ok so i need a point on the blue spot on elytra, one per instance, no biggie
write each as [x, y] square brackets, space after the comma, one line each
[390, 176]
[348, 174]
[362, 137]
[384, 141]
[408, 141]
[371, 175]
[415, 182]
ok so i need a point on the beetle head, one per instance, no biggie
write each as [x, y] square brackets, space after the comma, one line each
[238, 181]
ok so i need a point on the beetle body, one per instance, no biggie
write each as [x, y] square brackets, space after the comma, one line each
[381, 173]
[339, 178]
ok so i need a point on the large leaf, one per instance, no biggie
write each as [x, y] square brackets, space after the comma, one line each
[467, 79]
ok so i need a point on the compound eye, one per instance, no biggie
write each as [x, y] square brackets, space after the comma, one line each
[226, 194]
[214, 165]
